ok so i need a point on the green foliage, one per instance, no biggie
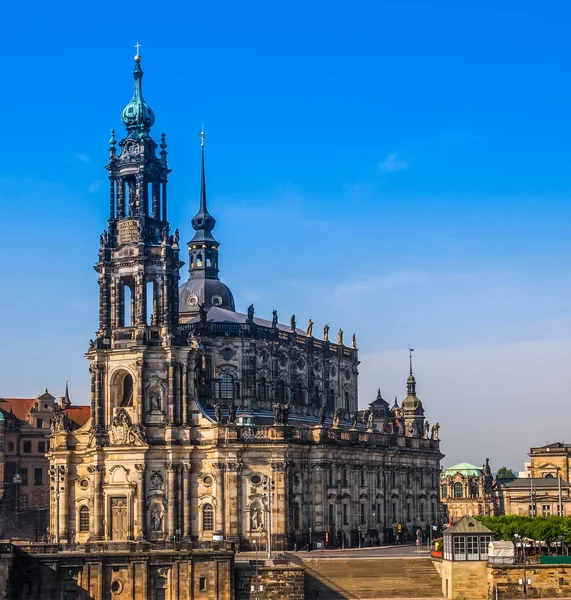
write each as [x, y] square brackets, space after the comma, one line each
[505, 473]
[545, 529]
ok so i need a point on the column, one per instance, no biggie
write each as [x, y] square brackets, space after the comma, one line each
[156, 200]
[170, 393]
[111, 197]
[184, 400]
[219, 524]
[140, 532]
[100, 393]
[233, 504]
[186, 527]
[97, 530]
[120, 199]
[139, 388]
[140, 300]
[171, 500]
[63, 503]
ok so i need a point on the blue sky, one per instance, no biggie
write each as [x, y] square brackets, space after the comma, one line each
[401, 170]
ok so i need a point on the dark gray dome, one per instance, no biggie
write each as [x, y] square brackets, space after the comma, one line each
[210, 291]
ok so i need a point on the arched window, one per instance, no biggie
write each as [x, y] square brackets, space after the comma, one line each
[207, 518]
[297, 394]
[549, 476]
[225, 386]
[347, 401]
[363, 514]
[262, 390]
[474, 489]
[331, 398]
[199, 259]
[444, 491]
[458, 490]
[83, 519]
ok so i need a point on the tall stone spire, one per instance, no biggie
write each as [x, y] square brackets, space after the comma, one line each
[138, 116]
[203, 286]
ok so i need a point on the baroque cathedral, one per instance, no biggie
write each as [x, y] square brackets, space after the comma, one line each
[211, 424]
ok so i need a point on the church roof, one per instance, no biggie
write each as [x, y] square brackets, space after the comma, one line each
[222, 315]
[78, 414]
[464, 468]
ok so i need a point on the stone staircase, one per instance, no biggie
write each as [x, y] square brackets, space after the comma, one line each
[371, 578]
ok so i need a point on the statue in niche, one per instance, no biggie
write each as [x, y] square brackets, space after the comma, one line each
[155, 401]
[232, 412]
[371, 421]
[251, 313]
[309, 328]
[326, 333]
[321, 415]
[410, 428]
[354, 341]
[255, 518]
[156, 480]
[426, 429]
[218, 413]
[274, 318]
[157, 521]
[340, 337]
[435, 430]
[176, 237]
[337, 417]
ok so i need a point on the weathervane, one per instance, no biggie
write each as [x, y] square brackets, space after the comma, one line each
[410, 351]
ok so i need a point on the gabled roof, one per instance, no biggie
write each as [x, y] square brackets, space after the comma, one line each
[467, 524]
[78, 414]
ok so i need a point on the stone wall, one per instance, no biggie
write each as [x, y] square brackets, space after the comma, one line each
[464, 580]
[547, 581]
[6, 557]
[279, 583]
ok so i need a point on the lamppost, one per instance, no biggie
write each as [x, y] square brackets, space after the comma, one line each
[524, 581]
[359, 530]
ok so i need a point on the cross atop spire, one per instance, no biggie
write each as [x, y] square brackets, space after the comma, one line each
[202, 137]
[137, 55]
[410, 351]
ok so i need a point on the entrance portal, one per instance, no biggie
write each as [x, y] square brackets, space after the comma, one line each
[119, 524]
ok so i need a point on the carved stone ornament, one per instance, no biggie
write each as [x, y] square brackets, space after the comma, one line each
[156, 480]
[123, 432]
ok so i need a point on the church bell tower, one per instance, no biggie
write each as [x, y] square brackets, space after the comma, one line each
[138, 268]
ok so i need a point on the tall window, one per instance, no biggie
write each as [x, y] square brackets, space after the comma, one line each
[363, 514]
[41, 447]
[225, 386]
[378, 511]
[394, 512]
[363, 483]
[408, 511]
[207, 517]
[474, 489]
[27, 447]
[444, 491]
[345, 478]
[84, 519]
[345, 514]
[332, 515]
[38, 476]
[39, 423]
[295, 516]
[458, 490]
[263, 390]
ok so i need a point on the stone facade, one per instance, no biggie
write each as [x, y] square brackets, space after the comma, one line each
[467, 490]
[464, 580]
[126, 571]
[25, 426]
[547, 581]
[275, 583]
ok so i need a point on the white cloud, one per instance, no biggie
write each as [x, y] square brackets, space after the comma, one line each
[83, 158]
[94, 187]
[377, 283]
[393, 163]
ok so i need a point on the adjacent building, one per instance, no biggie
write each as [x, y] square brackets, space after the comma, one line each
[466, 489]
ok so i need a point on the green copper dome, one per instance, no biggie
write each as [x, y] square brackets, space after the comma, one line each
[464, 468]
[138, 116]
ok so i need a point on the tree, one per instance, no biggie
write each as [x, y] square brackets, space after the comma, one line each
[505, 473]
